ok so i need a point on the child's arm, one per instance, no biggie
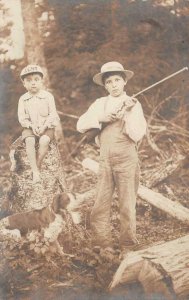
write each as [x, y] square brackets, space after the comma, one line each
[23, 117]
[135, 123]
[90, 119]
[93, 117]
[53, 118]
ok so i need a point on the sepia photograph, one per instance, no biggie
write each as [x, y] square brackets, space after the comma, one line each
[94, 149]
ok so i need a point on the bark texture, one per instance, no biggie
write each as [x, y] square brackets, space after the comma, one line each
[35, 55]
[24, 195]
[161, 269]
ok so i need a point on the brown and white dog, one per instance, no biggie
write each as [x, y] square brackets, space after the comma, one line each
[40, 218]
[50, 218]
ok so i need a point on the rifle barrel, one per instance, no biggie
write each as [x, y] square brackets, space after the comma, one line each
[160, 81]
[84, 138]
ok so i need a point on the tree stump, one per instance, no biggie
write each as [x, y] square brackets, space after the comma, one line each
[24, 195]
[161, 269]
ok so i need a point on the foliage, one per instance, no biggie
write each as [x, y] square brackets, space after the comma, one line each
[152, 41]
[147, 39]
[5, 31]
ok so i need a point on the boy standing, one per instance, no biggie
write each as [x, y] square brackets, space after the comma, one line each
[37, 115]
[123, 124]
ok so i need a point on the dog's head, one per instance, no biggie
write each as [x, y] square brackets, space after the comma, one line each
[68, 202]
[60, 201]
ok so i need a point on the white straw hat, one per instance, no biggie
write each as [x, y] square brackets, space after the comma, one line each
[112, 66]
[31, 69]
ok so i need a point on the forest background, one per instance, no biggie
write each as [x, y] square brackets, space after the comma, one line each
[150, 38]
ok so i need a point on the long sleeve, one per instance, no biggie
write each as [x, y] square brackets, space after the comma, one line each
[23, 117]
[90, 119]
[53, 118]
[135, 123]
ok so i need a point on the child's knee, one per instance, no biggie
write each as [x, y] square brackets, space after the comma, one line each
[44, 140]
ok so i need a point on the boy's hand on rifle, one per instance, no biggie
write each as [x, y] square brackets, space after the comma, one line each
[108, 118]
[129, 103]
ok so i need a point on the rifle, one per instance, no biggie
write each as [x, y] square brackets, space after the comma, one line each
[90, 134]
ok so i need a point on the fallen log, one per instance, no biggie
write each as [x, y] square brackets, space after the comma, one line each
[174, 209]
[161, 269]
[157, 172]
[170, 207]
[163, 170]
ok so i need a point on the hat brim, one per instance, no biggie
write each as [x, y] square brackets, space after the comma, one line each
[29, 73]
[98, 77]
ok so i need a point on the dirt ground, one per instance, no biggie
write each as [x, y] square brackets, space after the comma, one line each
[87, 272]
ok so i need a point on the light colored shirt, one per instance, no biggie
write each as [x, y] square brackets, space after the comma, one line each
[135, 123]
[37, 110]
[113, 104]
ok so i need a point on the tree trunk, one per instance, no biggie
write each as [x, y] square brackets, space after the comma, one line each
[161, 269]
[33, 42]
[115, 5]
[35, 55]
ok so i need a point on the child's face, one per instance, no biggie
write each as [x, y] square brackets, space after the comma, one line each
[33, 83]
[115, 84]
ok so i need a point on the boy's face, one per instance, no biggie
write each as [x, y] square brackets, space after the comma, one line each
[33, 83]
[115, 84]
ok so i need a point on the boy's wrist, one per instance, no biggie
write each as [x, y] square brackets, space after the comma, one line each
[130, 102]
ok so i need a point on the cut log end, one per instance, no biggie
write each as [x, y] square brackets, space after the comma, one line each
[160, 269]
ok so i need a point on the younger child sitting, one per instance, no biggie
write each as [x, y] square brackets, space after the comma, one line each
[37, 115]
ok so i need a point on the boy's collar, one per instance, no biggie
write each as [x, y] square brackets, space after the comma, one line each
[40, 95]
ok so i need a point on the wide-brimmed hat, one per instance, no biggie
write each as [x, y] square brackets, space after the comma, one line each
[112, 66]
[30, 69]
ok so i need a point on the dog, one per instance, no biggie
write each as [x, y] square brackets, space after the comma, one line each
[50, 220]
[38, 218]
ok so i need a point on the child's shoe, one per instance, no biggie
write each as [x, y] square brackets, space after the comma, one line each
[36, 177]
